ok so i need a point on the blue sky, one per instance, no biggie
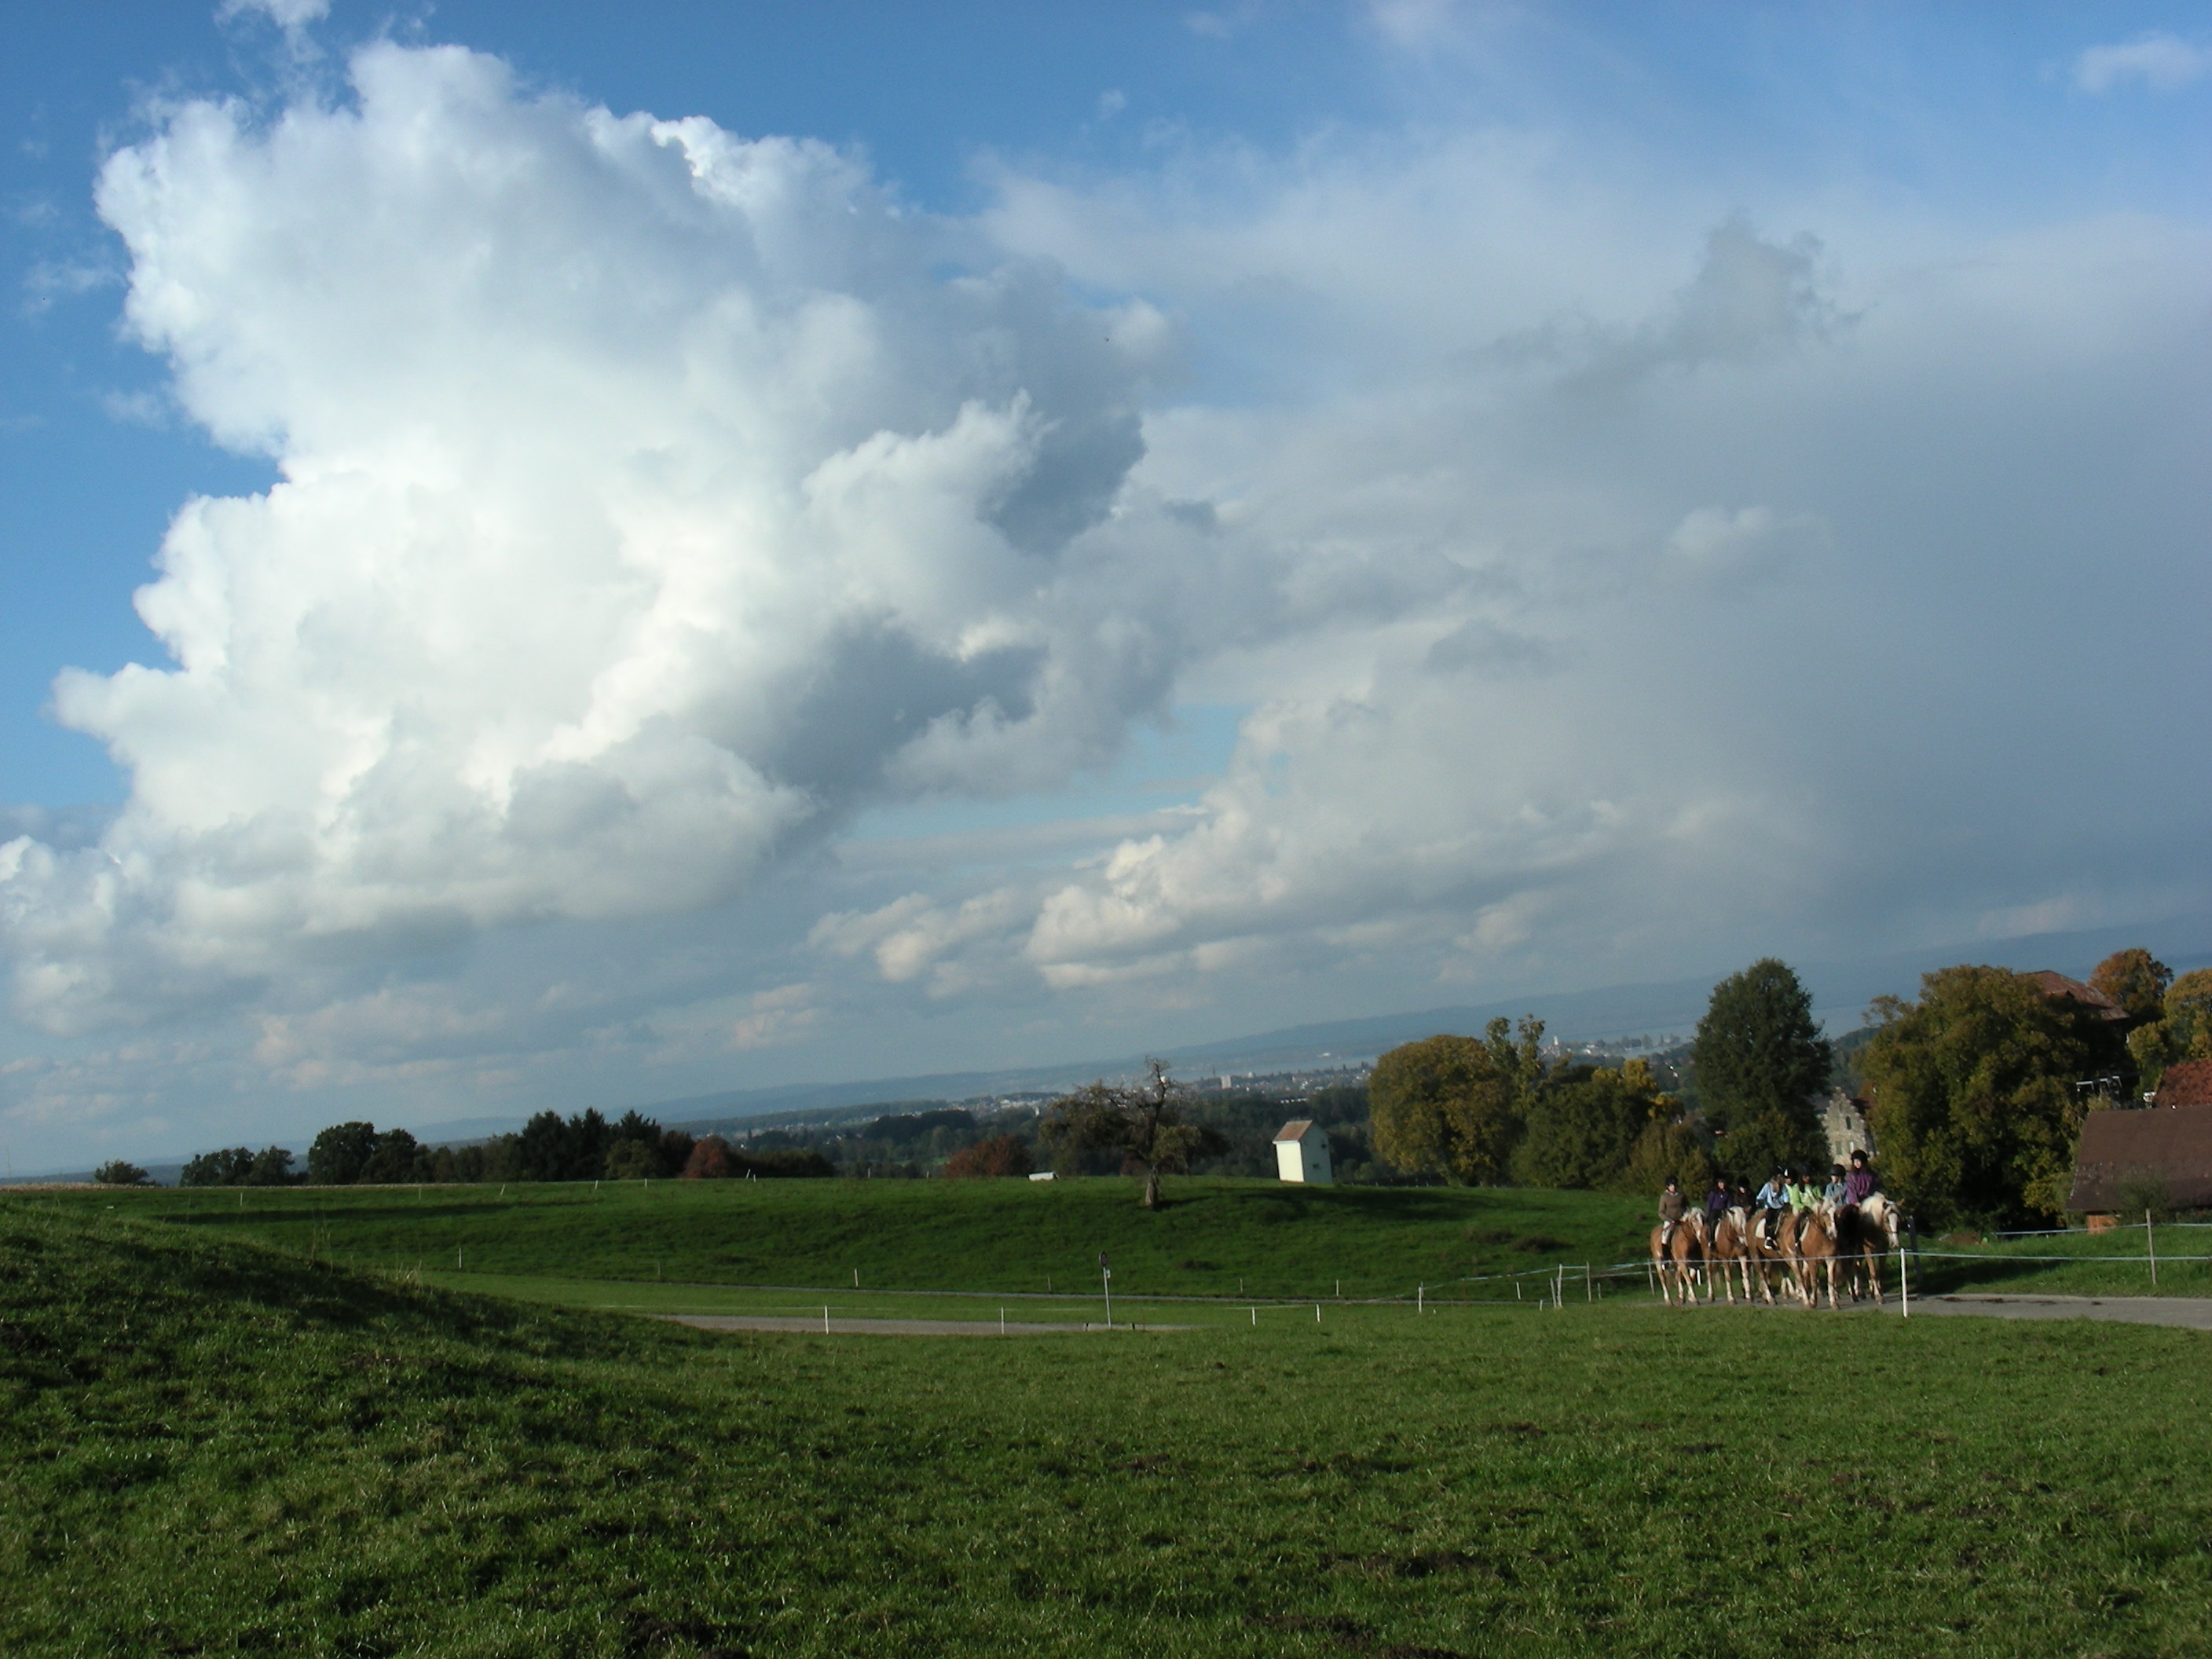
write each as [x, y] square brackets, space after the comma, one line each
[1164, 520]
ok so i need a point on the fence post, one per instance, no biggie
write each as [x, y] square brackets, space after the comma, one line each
[1904, 1283]
[2150, 1243]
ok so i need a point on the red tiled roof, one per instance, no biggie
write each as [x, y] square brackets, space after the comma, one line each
[2121, 1148]
[2056, 984]
[2189, 1084]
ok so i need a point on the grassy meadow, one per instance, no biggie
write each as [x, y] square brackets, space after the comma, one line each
[214, 1446]
[1218, 1238]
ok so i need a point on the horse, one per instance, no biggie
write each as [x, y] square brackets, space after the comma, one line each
[1762, 1259]
[1678, 1260]
[1728, 1251]
[1813, 1246]
[1867, 1232]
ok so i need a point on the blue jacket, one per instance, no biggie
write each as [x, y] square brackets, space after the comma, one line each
[1773, 1196]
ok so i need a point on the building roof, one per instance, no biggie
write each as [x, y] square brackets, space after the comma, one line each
[1296, 1131]
[2056, 984]
[2121, 1150]
[2189, 1084]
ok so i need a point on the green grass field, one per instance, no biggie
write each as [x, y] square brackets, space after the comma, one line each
[2115, 1263]
[214, 1447]
[1218, 1238]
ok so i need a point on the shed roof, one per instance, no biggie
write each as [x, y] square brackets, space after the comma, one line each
[1294, 1130]
[2056, 984]
[2120, 1149]
[2189, 1084]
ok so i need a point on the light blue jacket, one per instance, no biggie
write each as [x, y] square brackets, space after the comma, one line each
[1773, 1196]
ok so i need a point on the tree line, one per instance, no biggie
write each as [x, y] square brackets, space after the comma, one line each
[947, 1141]
[1975, 1093]
[586, 1146]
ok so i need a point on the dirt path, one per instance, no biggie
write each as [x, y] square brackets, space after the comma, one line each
[2190, 1312]
[835, 1326]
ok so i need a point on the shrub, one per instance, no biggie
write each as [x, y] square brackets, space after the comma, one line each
[1001, 1155]
[710, 1160]
[119, 1174]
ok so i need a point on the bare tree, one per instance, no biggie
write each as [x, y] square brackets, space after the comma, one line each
[1144, 1123]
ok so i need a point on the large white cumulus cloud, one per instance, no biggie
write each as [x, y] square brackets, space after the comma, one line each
[1617, 570]
[648, 496]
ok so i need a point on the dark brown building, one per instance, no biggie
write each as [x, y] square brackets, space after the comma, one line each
[2122, 1153]
[2058, 985]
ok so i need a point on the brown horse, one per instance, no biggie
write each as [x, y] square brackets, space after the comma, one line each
[1728, 1253]
[1763, 1259]
[1813, 1247]
[1866, 1233]
[1678, 1261]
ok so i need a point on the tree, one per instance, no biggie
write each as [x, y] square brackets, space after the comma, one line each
[2137, 980]
[551, 1149]
[2182, 1032]
[1146, 1124]
[1581, 1132]
[1665, 1151]
[119, 1174]
[633, 1160]
[397, 1159]
[1973, 1100]
[1455, 1105]
[272, 1167]
[227, 1168]
[239, 1166]
[337, 1156]
[1001, 1155]
[1761, 1066]
[710, 1160]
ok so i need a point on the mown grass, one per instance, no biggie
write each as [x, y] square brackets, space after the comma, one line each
[1217, 1236]
[214, 1448]
[2114, 1263]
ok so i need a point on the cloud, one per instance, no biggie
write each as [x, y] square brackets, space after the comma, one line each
[1224, 22]
[1414, 22]
[1715, 546]
[2162, 61]
[290, 15]
[775, 1017]
[915, 937]
[1624, 573]
[651, 499]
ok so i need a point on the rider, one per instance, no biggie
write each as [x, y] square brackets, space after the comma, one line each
[1670, 1211]
[1861, 1183]
[1773, 1199]
[1803, 1194]
[1716, 1204]
[1833, 1195]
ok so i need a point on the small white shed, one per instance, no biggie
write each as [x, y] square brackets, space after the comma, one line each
[1302, 1153]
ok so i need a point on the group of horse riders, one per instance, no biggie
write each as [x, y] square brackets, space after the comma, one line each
[1791, 1228]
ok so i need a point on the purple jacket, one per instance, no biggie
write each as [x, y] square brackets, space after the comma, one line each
[1859, 1185]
